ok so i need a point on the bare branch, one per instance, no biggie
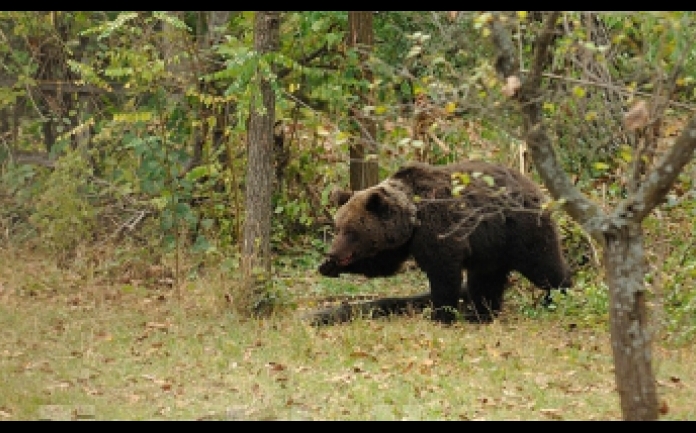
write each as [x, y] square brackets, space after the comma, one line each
[506, 63]
[65, 86]
[582, 210]
[541, 148]
[541, 50]
[660, 180]
[610, 86]
[131, 223]
[529, 94]
[33, 158]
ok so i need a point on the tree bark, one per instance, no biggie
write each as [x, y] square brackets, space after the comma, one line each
[215, 30]
[630, 337]
[179, 71]
[256, 254]
[624, 263]
[364, 171]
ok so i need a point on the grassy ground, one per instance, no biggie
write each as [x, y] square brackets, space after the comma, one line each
[72, 347]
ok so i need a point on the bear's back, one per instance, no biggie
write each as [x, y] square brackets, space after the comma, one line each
[486, 183]
[492, 206]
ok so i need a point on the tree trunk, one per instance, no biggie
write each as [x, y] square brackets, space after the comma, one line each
[16, 116]
[624, 263]
[179, 67]
[620, 233]
[364, 171]
[215, 30]
[256, 260]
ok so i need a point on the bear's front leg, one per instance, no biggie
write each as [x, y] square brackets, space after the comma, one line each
[445, 288]
[485, 291]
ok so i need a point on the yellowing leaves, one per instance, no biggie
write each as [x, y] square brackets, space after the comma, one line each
[579, 92]
[553, 204]
[138, 116]
[549, 107]
[482, 19]
[673, 128]
[684, 81]
[421, 365]
[450, 107]
[208, 99]
[363, 354]
[342, 137]
[491, 81]
[600, 166]
[460, 181]
[552, 413]
[626, 153]
[489, 180]
[323, 132]
[414, 51]
[78, 129]
[457, 190]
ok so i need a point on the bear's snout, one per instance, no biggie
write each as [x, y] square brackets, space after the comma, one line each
[329, 269]
[341, 261]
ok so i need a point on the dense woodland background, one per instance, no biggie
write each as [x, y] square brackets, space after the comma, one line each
[127, 139]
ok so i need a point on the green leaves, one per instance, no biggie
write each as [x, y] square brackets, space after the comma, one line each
[201, 171]
[171, 20]
[488, 180]
[460, 181]
[106, 29]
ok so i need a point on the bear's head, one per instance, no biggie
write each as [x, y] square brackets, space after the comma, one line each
[370, 221]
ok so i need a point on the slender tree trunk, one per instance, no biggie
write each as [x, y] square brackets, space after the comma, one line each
[215, 33]
[215, 20]
[364, 172]
[256, 254]
[4, 120]
[180, 70]
[620, 233]
[624, 263]
[16, 115]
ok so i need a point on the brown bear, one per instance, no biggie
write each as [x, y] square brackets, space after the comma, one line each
[475, 216]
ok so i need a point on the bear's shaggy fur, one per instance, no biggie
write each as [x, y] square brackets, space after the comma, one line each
[491, 224]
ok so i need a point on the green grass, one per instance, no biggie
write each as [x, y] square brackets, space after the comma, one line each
[77, 348]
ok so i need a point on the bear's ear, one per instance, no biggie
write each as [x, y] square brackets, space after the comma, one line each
[377, 203]
[339, 197]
